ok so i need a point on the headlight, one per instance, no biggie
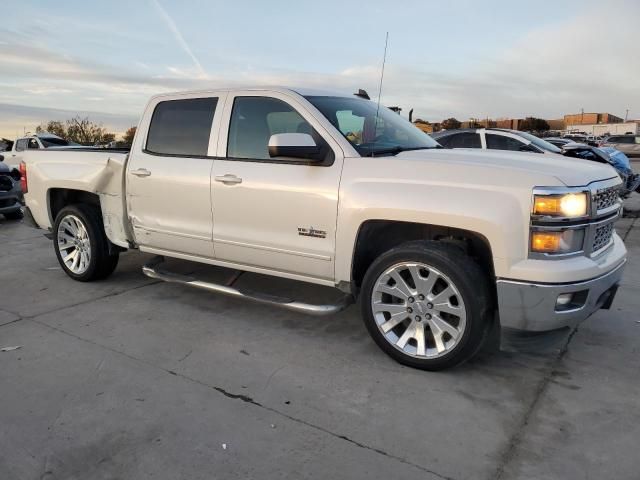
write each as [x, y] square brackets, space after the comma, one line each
[561, 205]
[557, 242]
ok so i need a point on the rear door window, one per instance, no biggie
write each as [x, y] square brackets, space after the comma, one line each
[461, 140]
[501, 142]
[181, 127]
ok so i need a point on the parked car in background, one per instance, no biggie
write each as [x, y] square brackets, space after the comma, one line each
[516, 141]
[38, 141]
[627, 144]
[10, 192]
[494, 139]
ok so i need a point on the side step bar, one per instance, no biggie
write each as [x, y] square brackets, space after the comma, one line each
[153, 270]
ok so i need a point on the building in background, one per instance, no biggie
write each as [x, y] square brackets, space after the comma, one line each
[599, 129]
[585, 118]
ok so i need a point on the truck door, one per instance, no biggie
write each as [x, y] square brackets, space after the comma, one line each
[274, 213]
[169, 175]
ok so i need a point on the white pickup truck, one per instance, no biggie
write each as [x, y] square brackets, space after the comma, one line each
[436, 244]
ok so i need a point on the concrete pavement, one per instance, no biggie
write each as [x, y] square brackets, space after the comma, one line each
[131, 378]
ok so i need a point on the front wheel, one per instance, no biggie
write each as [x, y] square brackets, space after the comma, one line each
[427, 304]
[81, 245]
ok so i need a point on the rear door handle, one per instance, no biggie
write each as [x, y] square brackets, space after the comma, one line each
[228, 179]
[141, 172]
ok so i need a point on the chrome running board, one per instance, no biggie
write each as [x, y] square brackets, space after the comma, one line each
[153, 270]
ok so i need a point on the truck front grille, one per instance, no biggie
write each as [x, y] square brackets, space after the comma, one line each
[605, 198]
[602, 237]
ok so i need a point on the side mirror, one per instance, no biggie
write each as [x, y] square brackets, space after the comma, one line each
[293, 145]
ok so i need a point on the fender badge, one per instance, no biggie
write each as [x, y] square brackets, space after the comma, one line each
[312, 232]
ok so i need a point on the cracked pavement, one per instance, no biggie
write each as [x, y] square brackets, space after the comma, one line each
[133, 378]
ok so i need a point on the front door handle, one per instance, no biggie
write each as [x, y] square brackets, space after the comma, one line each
[228, 179]
[141, 172]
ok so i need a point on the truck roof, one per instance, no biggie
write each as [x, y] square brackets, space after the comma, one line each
[273, 88]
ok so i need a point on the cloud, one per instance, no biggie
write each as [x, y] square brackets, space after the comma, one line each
[178, 36]
[17, 119]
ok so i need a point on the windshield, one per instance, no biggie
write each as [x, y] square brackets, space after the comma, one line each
[355, 118]
[538, 142]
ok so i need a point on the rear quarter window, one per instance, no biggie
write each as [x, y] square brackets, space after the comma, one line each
[181, 127]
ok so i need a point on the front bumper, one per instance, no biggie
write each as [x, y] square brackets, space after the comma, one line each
[533, 306]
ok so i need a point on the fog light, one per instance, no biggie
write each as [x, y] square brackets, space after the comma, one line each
[564, 299]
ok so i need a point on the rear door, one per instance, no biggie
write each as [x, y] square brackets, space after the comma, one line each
[274, 213]
[169, 175]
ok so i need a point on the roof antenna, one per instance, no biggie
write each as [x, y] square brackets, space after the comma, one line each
[384, 59]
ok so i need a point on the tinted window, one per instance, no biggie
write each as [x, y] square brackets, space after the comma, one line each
[54, 142]
[255, 119]
[500, 142]
[33, 144]
[461, 140]
[181, 127]
[21, 144]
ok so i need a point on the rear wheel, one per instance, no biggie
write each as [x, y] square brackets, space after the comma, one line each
[427, 305]
[81, 245]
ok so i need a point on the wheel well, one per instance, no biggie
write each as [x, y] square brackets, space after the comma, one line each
[378, 236]
[61, 197]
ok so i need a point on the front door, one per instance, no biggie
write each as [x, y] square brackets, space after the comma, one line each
[274, 213]
[169, 176]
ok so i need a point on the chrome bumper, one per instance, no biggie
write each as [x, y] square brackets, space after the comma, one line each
[532, 306]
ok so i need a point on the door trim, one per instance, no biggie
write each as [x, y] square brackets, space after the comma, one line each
[273, 249]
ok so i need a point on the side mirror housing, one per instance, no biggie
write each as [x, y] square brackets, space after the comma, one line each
[293, 145]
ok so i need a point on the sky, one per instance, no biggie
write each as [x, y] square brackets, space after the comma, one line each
[445, 58]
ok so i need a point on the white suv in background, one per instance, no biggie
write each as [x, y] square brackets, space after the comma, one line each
[494, 139]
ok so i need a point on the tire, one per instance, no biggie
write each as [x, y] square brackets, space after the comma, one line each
[17, 215]
[438, 321]
[88, 241]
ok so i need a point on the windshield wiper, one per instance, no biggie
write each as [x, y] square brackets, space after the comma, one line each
[398, 149]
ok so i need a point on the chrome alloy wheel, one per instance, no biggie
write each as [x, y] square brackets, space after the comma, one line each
[74, 244]
[418, 309]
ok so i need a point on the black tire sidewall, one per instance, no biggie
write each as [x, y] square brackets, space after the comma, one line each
[468, 279]
[93, 223]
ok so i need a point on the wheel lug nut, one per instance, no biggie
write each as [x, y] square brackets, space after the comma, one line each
[418, 318]
[410, 310]
[411, 299]
[420, 297]
[429, 305]
[427, 316]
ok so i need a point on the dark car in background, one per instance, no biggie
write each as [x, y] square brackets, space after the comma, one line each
[11, 198]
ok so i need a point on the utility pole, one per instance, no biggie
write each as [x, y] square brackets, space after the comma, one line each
[626, 115]
[582, 116]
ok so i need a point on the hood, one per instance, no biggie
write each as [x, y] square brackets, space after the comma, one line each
[571, 172]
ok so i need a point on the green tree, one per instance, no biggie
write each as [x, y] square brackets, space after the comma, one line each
[54, 126]
[450, 124]
[532, 124]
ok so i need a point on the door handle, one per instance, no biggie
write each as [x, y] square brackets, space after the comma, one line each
[228, 179]
[141, 172]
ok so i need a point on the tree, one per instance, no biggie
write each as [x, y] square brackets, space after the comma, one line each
[533, 124]
[54, 126]
[128, 135]
[450, 124]
[79, 130]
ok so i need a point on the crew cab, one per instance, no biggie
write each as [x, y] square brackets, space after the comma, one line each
[437, 245]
